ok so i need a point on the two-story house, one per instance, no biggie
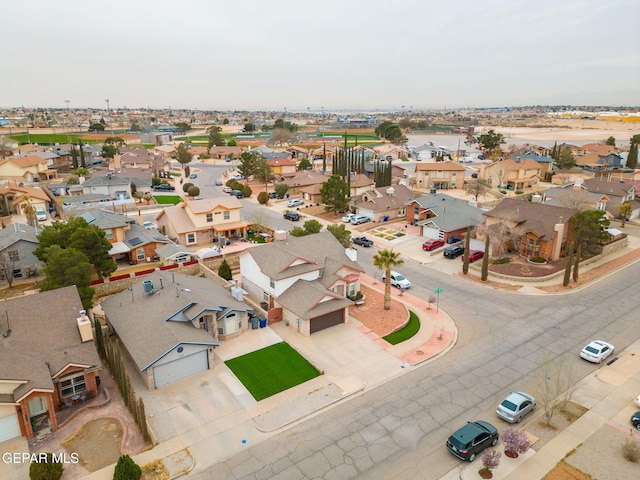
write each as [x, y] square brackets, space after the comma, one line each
[15, 199]
[49, 361]
[439, 175]
[617, 192]
[303, 281]
[17, 243]
[512, 174]
[283, 167]
[203, 222]
[384, 203]
[28, 168]
[169, 324]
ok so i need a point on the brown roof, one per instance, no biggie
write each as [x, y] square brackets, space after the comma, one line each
[285, 162]
[361, 180]
[378, 200]
[26, 161]
[609, 188]
[306, 177]
[436, 166]
[206, 205]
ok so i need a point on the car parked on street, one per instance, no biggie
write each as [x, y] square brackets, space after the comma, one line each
[236, 193]
[397, 280]
[469, 441]
[637, 401]
[227, 189]
[163, 187]
[347, 218]
[432, 244]
[597, 351]
[516, 406]
[193, 175]
[358, 219]
[293, 216]
[362, 241]
[294, 202]
[635, 420]
[218, 182]
[453, 251]
[475, 255]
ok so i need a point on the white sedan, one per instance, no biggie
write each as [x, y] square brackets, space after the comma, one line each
[597, 351]
[348, 217]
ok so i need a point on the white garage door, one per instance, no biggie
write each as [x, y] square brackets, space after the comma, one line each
[429, 232]
[181, 368]
[9, 428]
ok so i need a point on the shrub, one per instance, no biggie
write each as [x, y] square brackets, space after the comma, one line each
[230, 182]
[631, 450]
[518, 192]
[193, 191]
[504, 192]
[232, 143]
[185, 187]
[187, 170]
[501, 261]
[224, 271]
[263, 198]
[538, 259]
[246, 191]
[515, 441]
[48, 470]
[281, 189]
[127, 469]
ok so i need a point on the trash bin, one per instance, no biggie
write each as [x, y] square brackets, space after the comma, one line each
[254, 322]
[263, 322]
[264, 306]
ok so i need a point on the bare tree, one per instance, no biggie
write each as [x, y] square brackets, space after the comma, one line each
[7, 266]
[557, 384]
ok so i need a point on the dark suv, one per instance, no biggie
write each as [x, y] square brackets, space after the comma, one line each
[472, 439]
[163, 187]
[453, 251]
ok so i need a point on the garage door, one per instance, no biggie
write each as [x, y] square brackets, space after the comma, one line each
[9, 428]
[181, 368]
[326, 321]
[429, 232]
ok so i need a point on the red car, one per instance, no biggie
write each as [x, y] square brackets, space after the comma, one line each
[474, 255]
[432, 244]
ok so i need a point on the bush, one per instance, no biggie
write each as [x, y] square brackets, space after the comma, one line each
[185, 187]
[246, 191]
[224, 271]
[281, 189]
[127, 469]
[232, 143]
[230, 182]
[504, 192]
[631, 450]
[538, 259]
[501, 261]
[518, 192]
[263, 198]
[193, 191]
[491, 459]
[48, 470]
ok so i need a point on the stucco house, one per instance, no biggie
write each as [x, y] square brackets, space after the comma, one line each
[14, 199]
[384, 203]
[532, 229]
[203, 222]
[283, 167]
[303, 281]
[28, 169]
[304, 178]
[113, 187]
[360, 184]
[169, 324]
[512, 174]
[439, 175]
[17, 243]
[41, 372]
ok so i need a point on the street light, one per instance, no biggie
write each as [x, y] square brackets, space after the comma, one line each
[437, 291]
[110, 119]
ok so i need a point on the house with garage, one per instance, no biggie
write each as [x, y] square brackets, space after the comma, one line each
[304, 178]
[385, 203]
[439, 175]
[17, 243]
[283, 167]
[49, 361]
[512, 174]
[532, 229]
[441, 216]
[16, 200]
[203, 222]
[303, 281]
[27, 168]
[616, 191]
[169, 324]
[360, 184]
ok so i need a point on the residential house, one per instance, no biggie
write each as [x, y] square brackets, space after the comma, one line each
[17, 243]
[14, 200]
[283, 167]
[115, 187]
[311, 194]
[441, 216]
[384, 203]
[165, 151]
[531, 229]
[203, 222]
[565, 176]
[596, 161]
[304, 178]
[137, 158]
[297, 153]
[49, 361]
[225, 152]
[130, 242]
[439, 175]
[544, 162]
[169, 324]
[428, 153]
[28, 169]
[512, 174]
[171, 254]
[303, 280]
[392, 152]
[360, 184]
[617, 192]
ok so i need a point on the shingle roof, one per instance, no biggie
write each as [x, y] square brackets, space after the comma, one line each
[435, 166]
[104, 219]
[26, 161]
[451, 213]
[378, 200]
[207, 205]
[304, 299]
[17, 232]
[609, 188]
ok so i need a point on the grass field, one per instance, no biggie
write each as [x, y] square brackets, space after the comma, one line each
[405, 333]
[51, 139]
[271, 370]
[167, 199]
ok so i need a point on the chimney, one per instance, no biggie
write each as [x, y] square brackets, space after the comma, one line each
[391, 191]
[84, 327]
[352, 253]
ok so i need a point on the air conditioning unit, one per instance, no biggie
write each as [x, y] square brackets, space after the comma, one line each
[84, 327]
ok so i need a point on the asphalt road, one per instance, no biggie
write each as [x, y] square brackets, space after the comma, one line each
[398, 430]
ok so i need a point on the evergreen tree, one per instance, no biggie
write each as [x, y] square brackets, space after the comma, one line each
[485, 261]
[48, 470]
[224, 270]
[567, 269]
[74, 157]
[632, 158]
[577, 264]
[335, 193]
[465, 255]
[324, 157]
[83, 164]
[127, 469]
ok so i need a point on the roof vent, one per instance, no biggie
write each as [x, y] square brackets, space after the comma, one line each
[84, 327]
[432, 190]
[391, 191]
[147, 287]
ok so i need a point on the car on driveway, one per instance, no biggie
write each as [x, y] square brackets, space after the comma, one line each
[218, 182]
[347, 218]
[597, 351]
[635, 420]
[432, 244]
[163, 187]
[227, 189]
[358, 219]
[397, 280]
[516, 406]
[362, 241]
[294, 202]
[293, 216]
[475, 255]
[469, 441]
[453, 251]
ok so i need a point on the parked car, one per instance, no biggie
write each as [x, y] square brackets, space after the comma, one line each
[163, 187]
[238, 176]
[475, 255]
[149, 225]
[453, 251]
[453, 239]
[293, 216]
[482, 156]
[347, 218]
[362, 241]
[474, 175]
[516, 406]
[358, 219]
[635, 420]
[294, 202]
[597, 351]
[432, 244]
[193, 175]
[236, 193]
[218, 182]
[469, 441]
[397, 280]
[273, 195]
[637, 401]
[41, 214]
[227, 189]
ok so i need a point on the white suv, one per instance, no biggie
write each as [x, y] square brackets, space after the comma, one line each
[397, 280]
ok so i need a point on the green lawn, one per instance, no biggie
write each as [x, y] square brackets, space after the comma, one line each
[52, 139]
[405, 333]
[271, 370]
[167, 199]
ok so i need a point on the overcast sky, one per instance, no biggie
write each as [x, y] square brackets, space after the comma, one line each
[336, 54]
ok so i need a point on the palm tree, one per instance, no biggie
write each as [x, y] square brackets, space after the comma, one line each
[624, 211]
[386, 260]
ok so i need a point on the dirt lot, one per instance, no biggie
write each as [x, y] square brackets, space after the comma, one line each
[520, 267]
[97, 443]
[563, 471]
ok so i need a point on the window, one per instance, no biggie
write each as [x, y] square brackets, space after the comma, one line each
[191, 238]
[227, 214]
[602, 205]
[140, 253]
[14, 256]
[108, 234]
[72, 385]
[272, 283]
[209, 217]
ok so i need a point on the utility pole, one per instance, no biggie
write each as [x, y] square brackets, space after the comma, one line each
[110, 119]
[68, 117]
